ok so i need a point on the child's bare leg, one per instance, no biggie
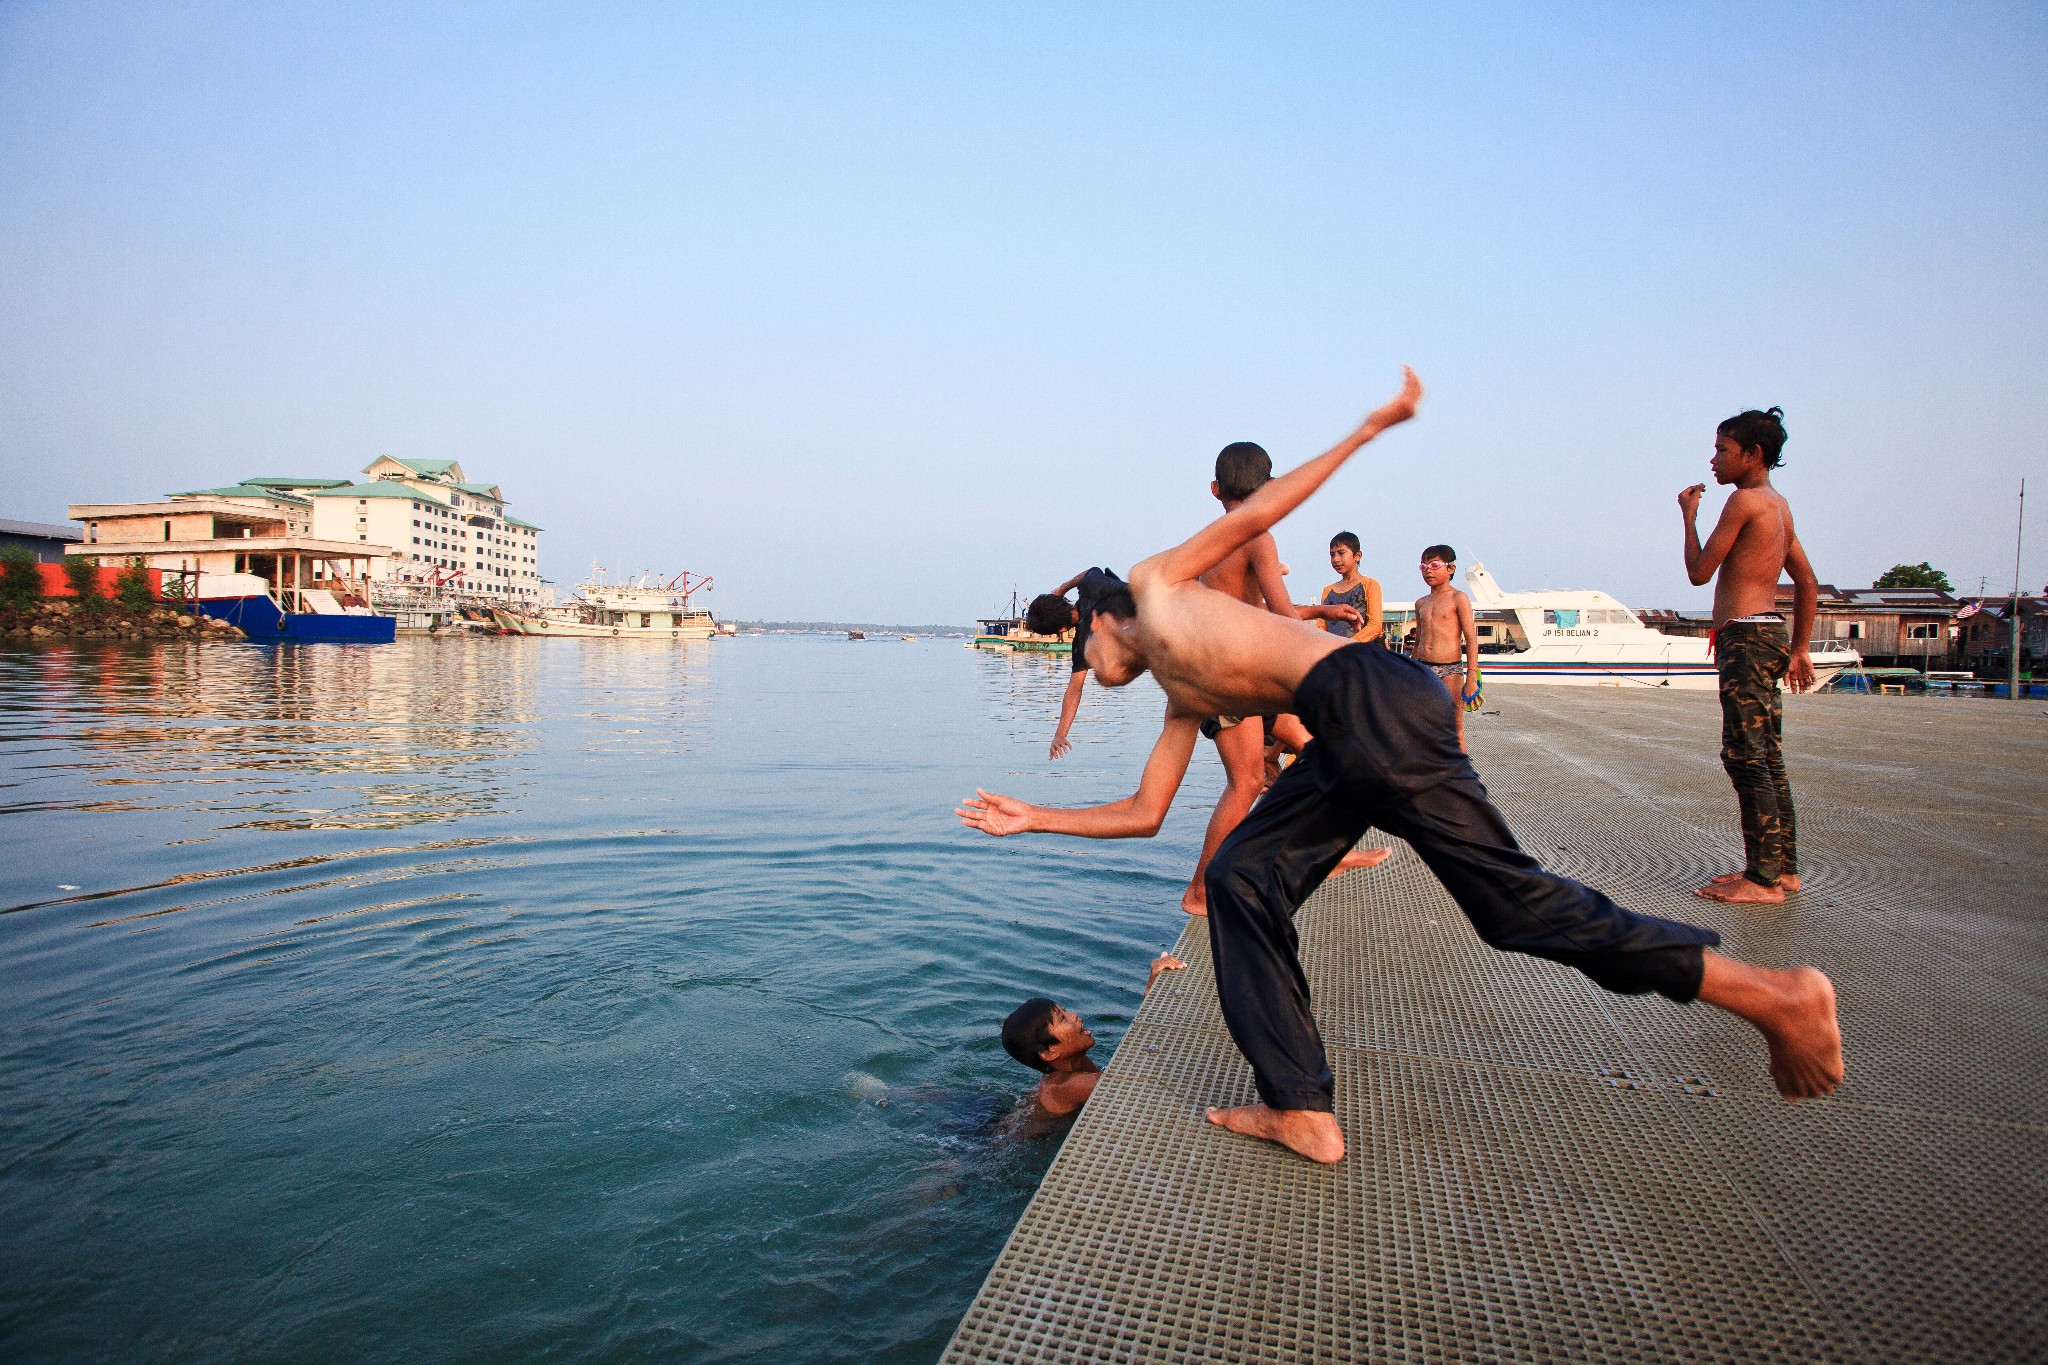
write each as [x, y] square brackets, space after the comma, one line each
[1294, 737]
[1794, 1009]
[1362, 857]
[1243, 750]
[1452, 682]
[1291, 733]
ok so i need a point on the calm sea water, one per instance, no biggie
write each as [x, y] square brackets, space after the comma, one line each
[521, 998]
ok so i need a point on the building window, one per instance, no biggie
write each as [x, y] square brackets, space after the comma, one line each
[1855, 630]
[1928, 631]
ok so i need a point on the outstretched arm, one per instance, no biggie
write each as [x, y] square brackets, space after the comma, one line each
[1265, 508]
[1137, 816]
[1805, 606]
[1072, 583]
[1069, 704]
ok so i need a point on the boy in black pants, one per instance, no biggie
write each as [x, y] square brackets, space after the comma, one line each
[1385, 754]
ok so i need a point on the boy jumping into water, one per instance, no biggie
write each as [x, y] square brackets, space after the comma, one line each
[1353, 590]
[1384, 754]
[1444, 632]
[1751, 544]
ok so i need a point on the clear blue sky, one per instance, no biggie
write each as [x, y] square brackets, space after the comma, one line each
[875, 312]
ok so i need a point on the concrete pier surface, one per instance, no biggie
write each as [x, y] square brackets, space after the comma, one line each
[1538, 1170]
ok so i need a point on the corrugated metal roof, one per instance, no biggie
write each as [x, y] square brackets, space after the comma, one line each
[40, 528]
[241, 491]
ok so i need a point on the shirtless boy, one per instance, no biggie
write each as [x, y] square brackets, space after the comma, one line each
[1352, 590]
[1751, 544]
[1385, 755]
[1049, 614]
[1251, 574]
[1446, 641]
[1047, 1038]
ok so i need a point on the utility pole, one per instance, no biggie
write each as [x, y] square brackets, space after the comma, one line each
[2013, 664]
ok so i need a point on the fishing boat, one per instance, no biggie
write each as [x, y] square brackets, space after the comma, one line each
[1009, 633]
[288, 611]
[1579, 638]
[647, 607]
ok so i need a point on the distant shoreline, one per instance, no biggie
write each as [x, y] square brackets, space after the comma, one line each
[854, 625]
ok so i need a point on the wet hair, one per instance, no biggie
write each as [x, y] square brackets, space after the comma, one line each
[1116, 600]
[1048, 614]
[1347, 540]
[1765, 430]
[1445, 552]
[1242, 467]
[1028, 1032]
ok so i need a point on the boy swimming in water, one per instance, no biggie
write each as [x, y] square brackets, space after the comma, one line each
[1352, 589]
[1444, 631]
[1047, 1038]
[1385, 754]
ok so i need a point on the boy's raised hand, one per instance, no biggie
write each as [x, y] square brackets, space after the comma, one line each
[1689, 500]
[1401, 406]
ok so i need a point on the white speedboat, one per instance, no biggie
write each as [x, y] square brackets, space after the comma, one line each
[1578, 638]
[643, 608]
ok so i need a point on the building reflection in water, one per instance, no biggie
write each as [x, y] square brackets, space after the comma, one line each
[290, 737]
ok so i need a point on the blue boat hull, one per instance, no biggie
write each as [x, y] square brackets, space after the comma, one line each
[260, 619]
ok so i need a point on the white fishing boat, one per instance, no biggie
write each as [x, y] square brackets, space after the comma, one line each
[648, 607]
[1577, 638]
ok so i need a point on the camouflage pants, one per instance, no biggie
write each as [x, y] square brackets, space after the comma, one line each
[1753, 657]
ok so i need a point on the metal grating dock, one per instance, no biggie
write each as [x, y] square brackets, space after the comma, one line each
[1539, 1171]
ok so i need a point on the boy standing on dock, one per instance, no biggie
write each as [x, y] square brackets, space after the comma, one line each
[1353, 590]
[1751, 544]
[1384, 754]
[1446, 641]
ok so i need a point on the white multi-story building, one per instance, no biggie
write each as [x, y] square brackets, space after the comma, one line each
[411, 521]
[442, 530]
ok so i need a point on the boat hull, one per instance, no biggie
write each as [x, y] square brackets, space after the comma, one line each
[261, 619]
[515, 624]
[1689, 676]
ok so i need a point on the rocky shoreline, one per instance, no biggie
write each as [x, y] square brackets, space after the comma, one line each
[62, 620]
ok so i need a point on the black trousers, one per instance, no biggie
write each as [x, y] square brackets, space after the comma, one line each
[1386, 754]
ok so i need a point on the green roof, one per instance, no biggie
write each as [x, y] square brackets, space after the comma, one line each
[294, 481]
[240, 491]
[488, 490]
[423, 466]
[514, 521]
[379, 488]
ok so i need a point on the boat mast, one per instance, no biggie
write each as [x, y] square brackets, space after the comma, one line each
[2013, 663]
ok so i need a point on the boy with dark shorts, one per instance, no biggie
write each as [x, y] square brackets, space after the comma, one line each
[1049, 614]
[1385, 754]
[1446, 641]
[1751, 544]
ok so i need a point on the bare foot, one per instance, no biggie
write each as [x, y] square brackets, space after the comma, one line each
[1788, 882]
[1741, 891]
[1195, 901]
[1305, 1132]
[1362, 857]
[1795, 1011]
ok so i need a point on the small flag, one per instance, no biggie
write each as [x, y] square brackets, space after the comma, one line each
[1969, 610]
